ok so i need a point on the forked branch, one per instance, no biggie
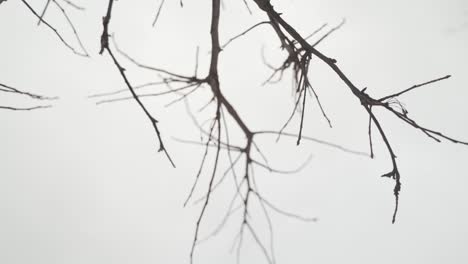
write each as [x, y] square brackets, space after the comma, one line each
[296, 45]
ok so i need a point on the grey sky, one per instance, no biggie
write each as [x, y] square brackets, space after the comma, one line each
[81, 183]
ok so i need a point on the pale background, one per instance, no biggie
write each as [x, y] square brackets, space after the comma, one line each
[81, 183]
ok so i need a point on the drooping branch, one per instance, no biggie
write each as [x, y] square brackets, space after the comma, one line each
[244, 156]
[105, 47]
[289, 37]
[249, 154]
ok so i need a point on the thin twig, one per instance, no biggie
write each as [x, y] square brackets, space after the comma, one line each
[158, 13]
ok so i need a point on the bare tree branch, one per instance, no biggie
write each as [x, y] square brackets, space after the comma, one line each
[281, 26]
[158, 13]
[105, 47]
[84, 53]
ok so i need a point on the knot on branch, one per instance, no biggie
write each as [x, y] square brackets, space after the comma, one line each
[367, 100]
[105, 34]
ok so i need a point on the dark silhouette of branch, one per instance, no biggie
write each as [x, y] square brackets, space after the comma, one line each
[105, 47]
[222, 103]
[283, 29]
[241, 157]
[40, 17]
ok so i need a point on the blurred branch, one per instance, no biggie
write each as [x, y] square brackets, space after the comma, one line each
[83, 53]
[11, 90]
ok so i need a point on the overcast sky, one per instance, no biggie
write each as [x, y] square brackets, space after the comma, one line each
[84, 183]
